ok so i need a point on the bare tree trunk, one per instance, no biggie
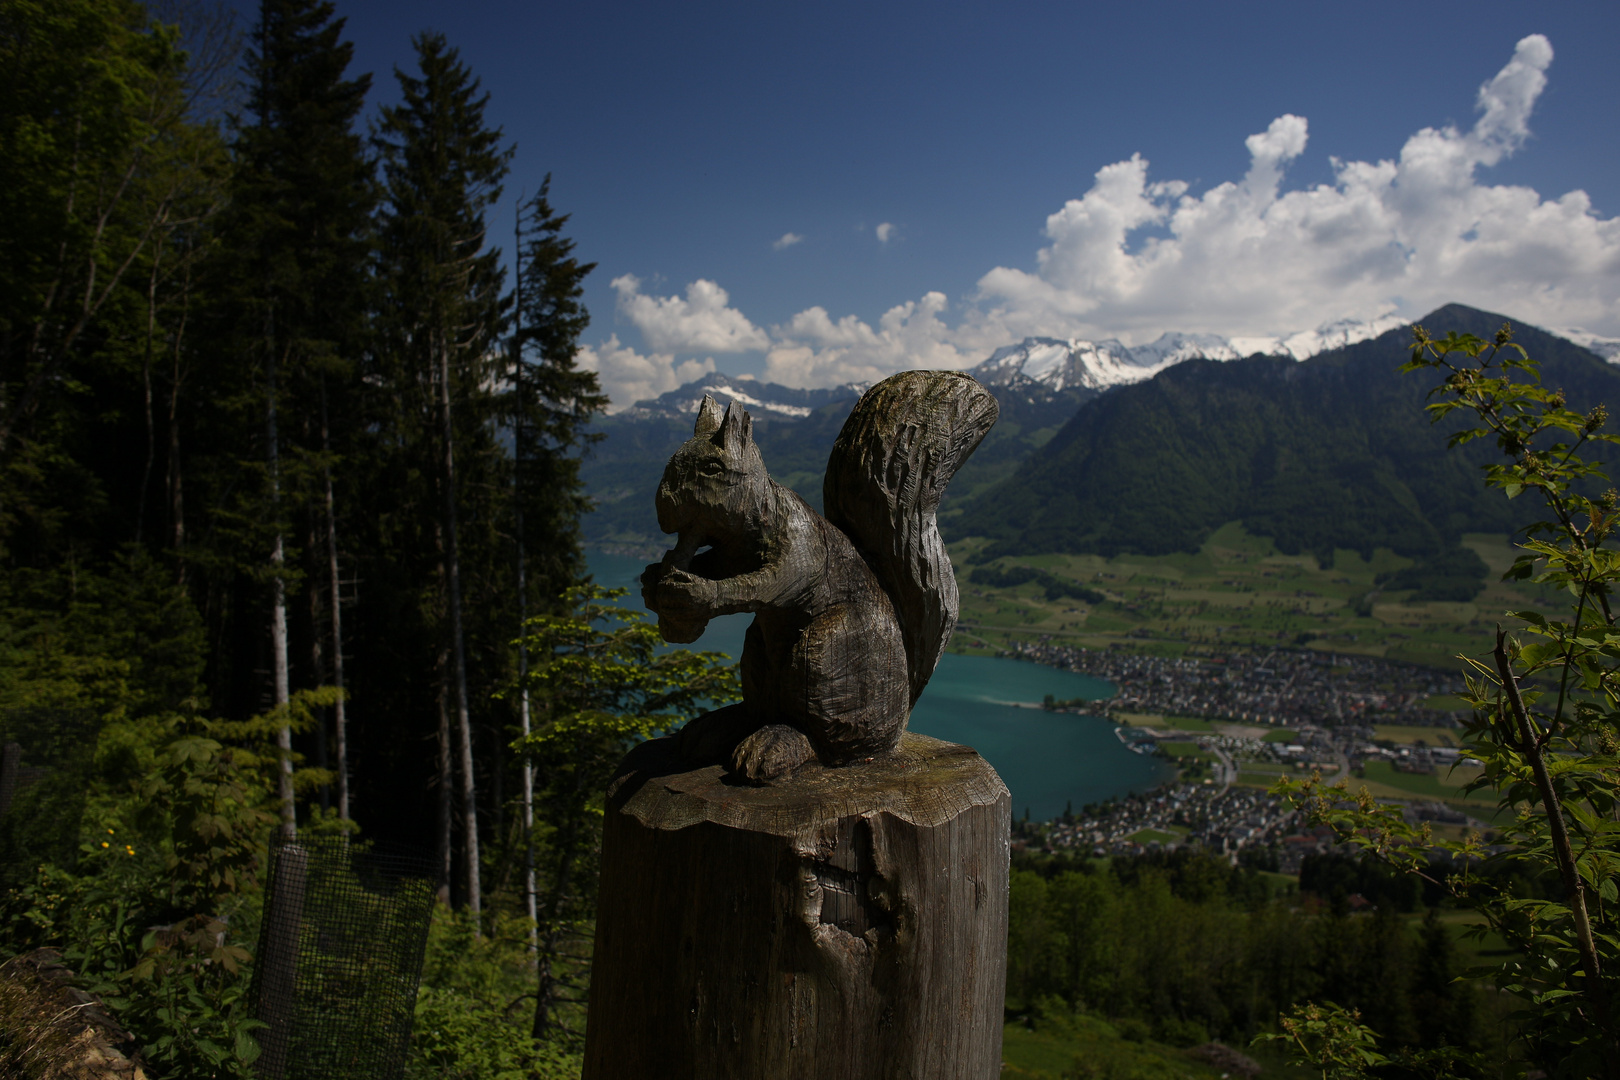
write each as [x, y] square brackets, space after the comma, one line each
[530, 900]
[452, 562]
[278, 594]
[339, 715]
[565, 844]
[317, 650]
[446, 783]
[177, 507]
[146, 386]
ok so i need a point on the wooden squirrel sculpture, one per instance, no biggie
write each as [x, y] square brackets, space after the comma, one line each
[851, 611]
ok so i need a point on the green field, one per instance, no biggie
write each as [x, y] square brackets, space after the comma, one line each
[1186, 750]
[1239, 592]
[1175, 723]
[1444, 784]
[1283, 735]
[1408, 735]
[1145, 836]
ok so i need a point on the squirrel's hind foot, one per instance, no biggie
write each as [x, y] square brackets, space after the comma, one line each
[771, 753]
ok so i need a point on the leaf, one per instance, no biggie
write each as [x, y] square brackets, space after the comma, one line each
[247, 1047]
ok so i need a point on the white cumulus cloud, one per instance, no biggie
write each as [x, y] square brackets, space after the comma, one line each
[788, 240]
[811, 349]
[702, 321]
[1402, 235]
[1136, 256]
[629, 376]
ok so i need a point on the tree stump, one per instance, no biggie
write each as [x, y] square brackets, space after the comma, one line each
[843, 924]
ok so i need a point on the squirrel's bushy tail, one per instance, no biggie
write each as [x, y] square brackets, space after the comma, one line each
[887, 473]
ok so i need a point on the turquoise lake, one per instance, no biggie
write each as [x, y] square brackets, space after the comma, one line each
[992, 704]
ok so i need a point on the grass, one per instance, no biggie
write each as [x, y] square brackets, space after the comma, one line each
[1053, 1050]
[1147, 836]
[1186, 750]
[1081, 1045]
[1176, 723]
[1239, 592]
[1281, 736]
[1446, 783]
[1408, 734]
[1489, 949]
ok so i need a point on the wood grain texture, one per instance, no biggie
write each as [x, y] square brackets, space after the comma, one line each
[851, 611]
[885, 478]
[843, 924]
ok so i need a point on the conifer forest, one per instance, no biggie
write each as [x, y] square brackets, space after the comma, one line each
[289, 432]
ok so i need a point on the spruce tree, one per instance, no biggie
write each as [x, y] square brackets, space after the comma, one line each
[298, 236]
[549, 402]
[443, 169]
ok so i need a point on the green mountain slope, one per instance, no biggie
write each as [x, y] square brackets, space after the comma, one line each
[1329, 452]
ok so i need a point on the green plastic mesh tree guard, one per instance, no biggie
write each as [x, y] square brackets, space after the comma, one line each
[339, 960]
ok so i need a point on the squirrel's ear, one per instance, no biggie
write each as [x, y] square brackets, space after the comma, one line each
[708, 420]
[737, 427]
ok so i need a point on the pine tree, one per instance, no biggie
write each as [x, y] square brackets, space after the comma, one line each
[298, 231]
[443, 169]
[551, 400]
[548, 405]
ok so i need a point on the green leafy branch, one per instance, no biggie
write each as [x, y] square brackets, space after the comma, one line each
[1546, 709]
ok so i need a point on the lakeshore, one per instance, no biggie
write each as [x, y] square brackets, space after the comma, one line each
[1049, 761]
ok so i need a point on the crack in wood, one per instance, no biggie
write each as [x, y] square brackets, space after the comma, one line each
[845, 879]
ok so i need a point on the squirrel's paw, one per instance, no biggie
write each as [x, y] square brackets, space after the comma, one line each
[678, 592]
[773, 751]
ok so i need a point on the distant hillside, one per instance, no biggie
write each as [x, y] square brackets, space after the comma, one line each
[1039, 383]
[795, 430]
[1330, 452]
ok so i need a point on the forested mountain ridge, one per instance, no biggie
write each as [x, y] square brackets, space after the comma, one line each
[1040, 384]
[1330, 452]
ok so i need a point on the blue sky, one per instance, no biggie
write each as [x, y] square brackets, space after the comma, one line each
[693, 142]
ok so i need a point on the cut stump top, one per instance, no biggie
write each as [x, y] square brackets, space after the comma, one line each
[924, 782]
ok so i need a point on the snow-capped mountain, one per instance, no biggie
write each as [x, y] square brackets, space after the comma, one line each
[1058, 364]
[1307, 343]
[761, 399]
[1608, 348]
[1042, 371]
